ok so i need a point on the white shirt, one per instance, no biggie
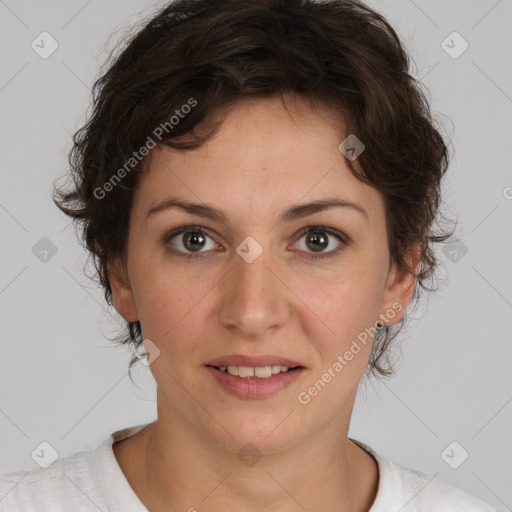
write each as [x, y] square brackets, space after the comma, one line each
[92, 480]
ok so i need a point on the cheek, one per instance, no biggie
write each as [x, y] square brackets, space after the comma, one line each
[346, 305]
[173, 306]
[343, 340]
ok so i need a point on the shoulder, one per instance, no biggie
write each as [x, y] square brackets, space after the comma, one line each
[66, 483]
[410, 490]
[87, 480]
[419, 492]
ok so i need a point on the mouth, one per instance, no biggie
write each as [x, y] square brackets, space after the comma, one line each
[254, 377]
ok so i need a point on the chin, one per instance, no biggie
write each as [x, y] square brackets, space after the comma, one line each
[265, 434]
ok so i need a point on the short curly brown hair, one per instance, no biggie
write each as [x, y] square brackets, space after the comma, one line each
[208, 54]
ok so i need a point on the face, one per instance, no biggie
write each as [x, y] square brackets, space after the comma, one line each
[252, 277]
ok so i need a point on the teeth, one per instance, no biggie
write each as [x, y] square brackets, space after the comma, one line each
[245, 371]
[233, 370]
[263, 372]
[260, 372]
[276, 369]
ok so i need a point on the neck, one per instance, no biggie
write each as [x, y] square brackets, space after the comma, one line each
[185, 471]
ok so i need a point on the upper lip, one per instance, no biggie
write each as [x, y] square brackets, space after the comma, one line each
[252, 361]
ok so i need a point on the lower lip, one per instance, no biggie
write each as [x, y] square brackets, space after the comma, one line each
[247, 387]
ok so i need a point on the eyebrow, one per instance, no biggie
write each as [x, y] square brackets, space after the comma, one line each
[292, 213]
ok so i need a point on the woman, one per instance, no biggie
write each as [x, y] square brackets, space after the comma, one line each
[257, 183]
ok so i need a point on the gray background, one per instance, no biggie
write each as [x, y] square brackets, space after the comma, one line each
[63, 382]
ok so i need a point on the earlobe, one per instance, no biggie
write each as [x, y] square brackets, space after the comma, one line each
[122, 294]
[400, 287]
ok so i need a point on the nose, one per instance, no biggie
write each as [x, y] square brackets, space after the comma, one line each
[255, 298]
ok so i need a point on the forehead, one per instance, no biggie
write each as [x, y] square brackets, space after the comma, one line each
[263, 156]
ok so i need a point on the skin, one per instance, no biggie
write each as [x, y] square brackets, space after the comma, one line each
[264, 159]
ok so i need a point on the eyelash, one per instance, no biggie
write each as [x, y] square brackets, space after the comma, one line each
[342, 238]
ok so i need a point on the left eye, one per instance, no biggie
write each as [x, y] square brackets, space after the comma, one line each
[318, 238]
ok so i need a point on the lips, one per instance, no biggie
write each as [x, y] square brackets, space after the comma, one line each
[253, 387]
[254, 377]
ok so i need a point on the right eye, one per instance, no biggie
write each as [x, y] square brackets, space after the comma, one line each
[188, 238]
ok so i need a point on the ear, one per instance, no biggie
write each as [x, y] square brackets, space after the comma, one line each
[122, 294]
[400, 287]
